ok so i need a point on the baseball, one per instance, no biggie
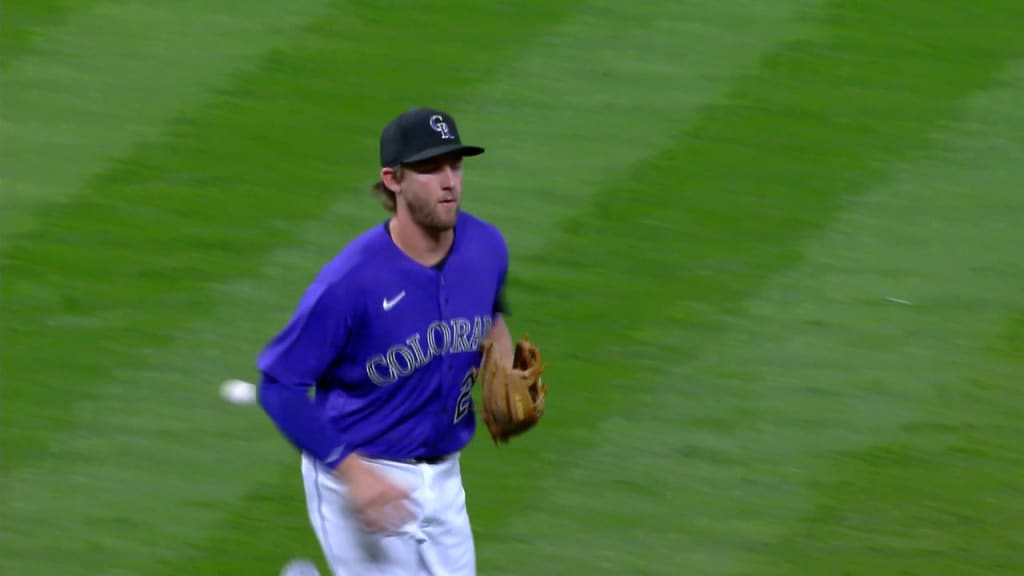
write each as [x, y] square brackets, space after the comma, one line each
[238, 392]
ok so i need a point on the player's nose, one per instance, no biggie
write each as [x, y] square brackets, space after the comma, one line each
[447, 178]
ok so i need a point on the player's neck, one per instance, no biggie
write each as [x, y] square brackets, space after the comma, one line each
[427, 247]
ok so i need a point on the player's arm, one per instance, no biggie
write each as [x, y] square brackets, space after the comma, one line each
[499, 333]
[502, 339]
[293, 362]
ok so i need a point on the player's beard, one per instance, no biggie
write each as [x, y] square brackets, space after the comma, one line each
[431, 215]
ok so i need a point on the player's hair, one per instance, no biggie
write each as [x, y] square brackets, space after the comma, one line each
[386, 196]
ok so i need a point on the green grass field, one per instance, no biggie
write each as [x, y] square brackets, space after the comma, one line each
[772, 251]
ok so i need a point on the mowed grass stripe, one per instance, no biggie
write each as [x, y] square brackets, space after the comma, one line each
[719, 217]
[25, 22]
[916, 467]
[270, 297]
[108, 78]
[138, 338]
[611, 89]
[822, 427]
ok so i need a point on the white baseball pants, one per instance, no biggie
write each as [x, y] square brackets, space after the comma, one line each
[437, 541]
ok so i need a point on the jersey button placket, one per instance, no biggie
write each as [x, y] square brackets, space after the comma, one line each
[446, 363]
[444, 317]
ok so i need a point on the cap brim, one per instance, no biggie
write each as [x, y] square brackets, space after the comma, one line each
[441, 151]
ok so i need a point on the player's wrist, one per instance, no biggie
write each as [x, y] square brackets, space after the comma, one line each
[349, 466]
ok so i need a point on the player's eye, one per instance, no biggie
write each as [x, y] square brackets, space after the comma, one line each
[437, 165]
[455, 165]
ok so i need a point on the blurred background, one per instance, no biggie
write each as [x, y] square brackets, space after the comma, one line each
[771, 250]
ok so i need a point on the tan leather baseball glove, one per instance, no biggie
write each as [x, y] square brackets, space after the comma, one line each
[512, 397]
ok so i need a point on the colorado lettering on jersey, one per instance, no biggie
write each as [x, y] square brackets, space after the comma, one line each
[442, 338]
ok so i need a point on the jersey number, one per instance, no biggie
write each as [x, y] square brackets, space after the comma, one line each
[465, 397]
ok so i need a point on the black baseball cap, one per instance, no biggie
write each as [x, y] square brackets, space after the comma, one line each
[421, 134]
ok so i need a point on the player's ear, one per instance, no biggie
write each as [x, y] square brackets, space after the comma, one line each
[392, 178]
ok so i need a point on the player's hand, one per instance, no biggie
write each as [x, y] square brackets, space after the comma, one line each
[380, 503]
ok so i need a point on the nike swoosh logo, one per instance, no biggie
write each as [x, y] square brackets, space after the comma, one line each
[389, 304]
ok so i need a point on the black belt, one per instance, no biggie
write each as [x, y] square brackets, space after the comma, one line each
[428, 459]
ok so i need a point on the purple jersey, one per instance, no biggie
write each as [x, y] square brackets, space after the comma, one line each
[388, 344]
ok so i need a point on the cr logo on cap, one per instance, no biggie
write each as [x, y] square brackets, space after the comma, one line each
[438, 124]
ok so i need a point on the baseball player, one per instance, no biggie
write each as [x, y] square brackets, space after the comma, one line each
[388, 335]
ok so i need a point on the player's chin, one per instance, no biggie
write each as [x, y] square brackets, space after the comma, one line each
[444, 224]
[447, 213]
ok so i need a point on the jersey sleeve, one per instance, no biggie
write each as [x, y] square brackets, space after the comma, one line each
[500, 300]
[296, 359]
[313, 338]
[500, 303]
